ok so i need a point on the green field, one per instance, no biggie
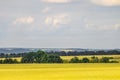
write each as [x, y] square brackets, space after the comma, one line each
[60, 71]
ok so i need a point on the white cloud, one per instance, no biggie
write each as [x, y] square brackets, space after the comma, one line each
[57, 1]
[103, 27]
[24, 20]
[56, 20]
[47, 9]
[106, 2]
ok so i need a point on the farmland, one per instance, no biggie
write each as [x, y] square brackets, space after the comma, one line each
[87, 71]
[89, 56]
[115, 57]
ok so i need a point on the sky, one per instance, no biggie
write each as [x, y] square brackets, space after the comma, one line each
[91, 24]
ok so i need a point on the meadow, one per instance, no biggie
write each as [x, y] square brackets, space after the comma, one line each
[85, 71]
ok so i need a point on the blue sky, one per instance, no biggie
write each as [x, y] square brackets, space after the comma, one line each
[60, 23]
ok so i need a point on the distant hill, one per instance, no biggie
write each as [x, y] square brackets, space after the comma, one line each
[16, 50]
[23, 50]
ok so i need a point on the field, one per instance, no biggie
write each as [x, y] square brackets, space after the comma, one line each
[60, 71]
[89, 56]
[116, 57]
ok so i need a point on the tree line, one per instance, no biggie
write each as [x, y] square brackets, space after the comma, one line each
[34, 57]
[63, 53]
[43, 57]
[93, 60]
[77, 53]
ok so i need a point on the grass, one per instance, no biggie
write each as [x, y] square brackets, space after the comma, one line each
[60, 71]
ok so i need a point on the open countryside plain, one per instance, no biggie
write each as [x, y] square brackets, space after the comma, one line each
[116, 57]
[60, 71]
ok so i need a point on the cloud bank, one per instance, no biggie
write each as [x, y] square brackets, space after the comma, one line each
[106, 2]
[24, 20]
[57, 1]
[47, 9]
[56, 20]
[103, 27]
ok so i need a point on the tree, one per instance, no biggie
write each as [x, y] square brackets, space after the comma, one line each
[75, 60]
[52, 58]
[35, 57]
[1, 61]
[41, 57]
[85, 60]
[94, 59]
[15, 61]
[9, 61]
[104, 60]
[28, 58]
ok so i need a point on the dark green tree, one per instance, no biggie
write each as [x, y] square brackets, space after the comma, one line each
[35, 57]
[85, 60]
[74, 60]
[104, 60]
[15, 61]
[52, 58]
[41, 57]
[94, 59]
[1, 61]
[28, 58]
[9, 61]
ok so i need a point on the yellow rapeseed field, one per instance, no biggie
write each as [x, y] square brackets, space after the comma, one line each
[89, 71]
